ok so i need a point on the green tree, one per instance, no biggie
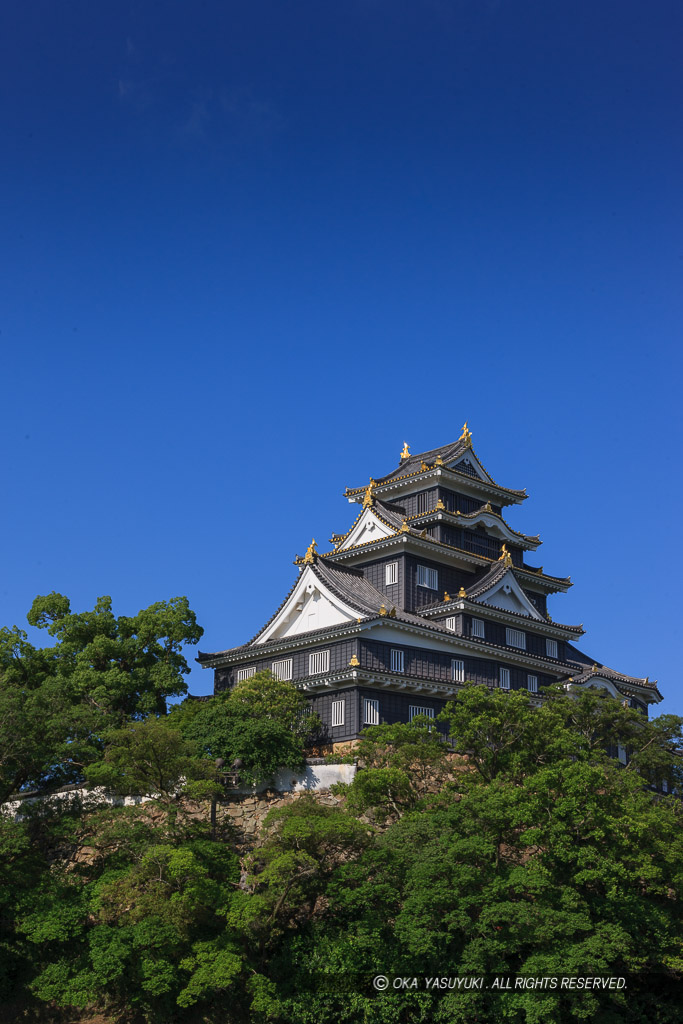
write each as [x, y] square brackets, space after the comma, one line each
[57, 702]
[263, 721]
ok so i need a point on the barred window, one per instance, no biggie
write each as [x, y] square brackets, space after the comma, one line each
[532, 684]
[505, 678]
[414, 710]
[282, 669]
[478, 628]
[391, 573]
[450, 622]
[457, 670]
[370, 711]
[318, 662]
[396, 660]
[428, 578]
[515, 638]
[337, 713]
[246, 673]
[551, 648]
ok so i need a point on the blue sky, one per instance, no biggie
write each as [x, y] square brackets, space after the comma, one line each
[250, 248]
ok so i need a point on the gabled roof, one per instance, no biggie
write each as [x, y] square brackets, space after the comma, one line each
[412, 464]
[471, 518]
[587, 669]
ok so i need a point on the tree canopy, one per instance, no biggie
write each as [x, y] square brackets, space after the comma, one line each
[520, 848]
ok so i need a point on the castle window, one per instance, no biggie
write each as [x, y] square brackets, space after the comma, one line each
[246, 673]
[450, 622]
[370, 711]
[457, 670]
[318, 662]
[504, 678]
[282, 669]
[428, 578]
[478, 628]
[337, 713]
[532, 684]
[391, 573]
[551, 648]
[396, 660]
[515, 638]
[414, 710]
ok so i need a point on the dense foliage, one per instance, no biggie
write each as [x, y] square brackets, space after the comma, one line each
[520, 849]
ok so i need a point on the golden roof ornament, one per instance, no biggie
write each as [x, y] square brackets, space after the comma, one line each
[404, 527]
[438, 461]
[354, 662]
[440, 505]
[466, 435]
[595, 667]
[462, 592]
[423, 466]
[311, 552]
[405, 454]
[369, 497]
[382, 610]
[487, 507]
[446, 596]
[392, 613]
[505, 557]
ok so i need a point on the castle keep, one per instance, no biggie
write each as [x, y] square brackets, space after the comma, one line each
[429, 588]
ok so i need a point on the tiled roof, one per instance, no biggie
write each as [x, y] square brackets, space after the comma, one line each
[417, 463]
[587, 667]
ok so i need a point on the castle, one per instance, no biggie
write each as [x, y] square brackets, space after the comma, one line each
[427, 589]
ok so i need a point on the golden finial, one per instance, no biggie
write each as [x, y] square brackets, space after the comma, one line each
[424, 466]
[382, 610]
[438, 461]
[404, 527]
[405, 454]
[595, 667]
[392, 613]
[446, 596]
[309, 557]
[368, 499]
[505, 556]
[487, 507]
[423, 534]
[354, 662]
[440, 505]
[462, 592]
[466, 435]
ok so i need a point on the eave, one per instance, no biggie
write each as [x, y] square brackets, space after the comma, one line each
[468, 519]
[542, 627]
[462, 482]
[435, 550]
[484, 648]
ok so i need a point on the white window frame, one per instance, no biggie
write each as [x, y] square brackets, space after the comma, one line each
[515, 638]
[450, 622]
[390, 574]
[338, 709]
[504, 678]
[479, 628]
[282, 669]
[318, 662]
[245, 673]
[428, 578]
[532, 684]
[370, 711]
[457, 670]
[397, 660]
[414, 710]
[551, 648]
